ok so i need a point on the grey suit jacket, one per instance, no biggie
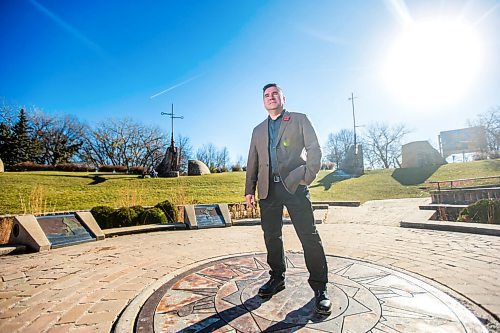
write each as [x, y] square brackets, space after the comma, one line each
[296, 136]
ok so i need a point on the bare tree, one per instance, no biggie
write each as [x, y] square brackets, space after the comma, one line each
[337, 145]
[222, 159]
[382, 144]
[125, 142]
[185, 151]
[241, 161]
[60, 137]
[8, 113]
[207, 154]
[369, 160]
[490, 120]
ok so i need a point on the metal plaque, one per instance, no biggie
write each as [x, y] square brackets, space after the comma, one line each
[64, 230]
[209, 216]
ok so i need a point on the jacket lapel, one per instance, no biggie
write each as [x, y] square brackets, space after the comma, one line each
[263, 134]
[284, 123]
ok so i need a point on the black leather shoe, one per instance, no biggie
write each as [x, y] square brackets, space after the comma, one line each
[323, 304]
[271, 287]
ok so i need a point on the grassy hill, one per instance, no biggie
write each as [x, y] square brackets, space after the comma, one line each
[38, 192]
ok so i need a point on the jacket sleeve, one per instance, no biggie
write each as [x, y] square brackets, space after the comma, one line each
[313, 151]
[252, 167]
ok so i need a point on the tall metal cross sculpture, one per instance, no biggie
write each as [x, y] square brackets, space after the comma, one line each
[172, 116]
[171, 161]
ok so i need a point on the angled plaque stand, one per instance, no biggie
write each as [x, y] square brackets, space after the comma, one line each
[88, 220]
[45, 232]
[27, 231]
[207, 216]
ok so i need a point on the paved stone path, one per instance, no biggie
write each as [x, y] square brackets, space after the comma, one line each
[382, 212]
[84, 288]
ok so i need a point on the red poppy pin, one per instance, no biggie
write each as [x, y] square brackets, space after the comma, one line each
[286, 118]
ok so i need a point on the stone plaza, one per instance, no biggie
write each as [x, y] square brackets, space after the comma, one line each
[383, 278]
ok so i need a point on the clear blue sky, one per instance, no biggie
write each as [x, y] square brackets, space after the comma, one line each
[105, 59]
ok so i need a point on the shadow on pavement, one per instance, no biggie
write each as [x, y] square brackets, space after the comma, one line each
[288, 323]
[213, 323]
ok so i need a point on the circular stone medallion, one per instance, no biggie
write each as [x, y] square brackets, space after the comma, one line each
[221, 296]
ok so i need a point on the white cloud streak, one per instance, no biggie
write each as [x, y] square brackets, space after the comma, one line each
[70, 29]
[174, 86]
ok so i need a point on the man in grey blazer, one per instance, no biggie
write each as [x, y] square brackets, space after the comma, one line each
[284, 158]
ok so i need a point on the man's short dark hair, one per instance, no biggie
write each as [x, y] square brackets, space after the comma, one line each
[269, 85]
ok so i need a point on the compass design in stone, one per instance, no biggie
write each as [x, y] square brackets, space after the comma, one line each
[221, 296]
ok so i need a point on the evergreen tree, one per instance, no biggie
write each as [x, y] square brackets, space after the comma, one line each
[23, 147]
[5, 144]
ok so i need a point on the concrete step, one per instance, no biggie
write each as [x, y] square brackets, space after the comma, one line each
[438, 206]
[466, 227]
[142, 228]
[338, 203]
[12, 249]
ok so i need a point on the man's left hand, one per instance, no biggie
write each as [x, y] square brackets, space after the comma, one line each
[302, 182]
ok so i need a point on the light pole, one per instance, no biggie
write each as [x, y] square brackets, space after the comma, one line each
[353, 118]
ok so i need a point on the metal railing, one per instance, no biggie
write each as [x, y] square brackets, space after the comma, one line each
[456, 183]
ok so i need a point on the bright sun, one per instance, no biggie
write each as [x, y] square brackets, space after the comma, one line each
[433, 63]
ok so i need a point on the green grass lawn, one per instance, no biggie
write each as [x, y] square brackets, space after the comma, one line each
[38, 192]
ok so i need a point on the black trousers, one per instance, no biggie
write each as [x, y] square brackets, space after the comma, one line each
[301, 213]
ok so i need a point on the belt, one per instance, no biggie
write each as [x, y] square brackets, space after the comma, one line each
[276, 178]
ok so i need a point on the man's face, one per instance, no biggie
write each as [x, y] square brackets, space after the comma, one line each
[273, 99]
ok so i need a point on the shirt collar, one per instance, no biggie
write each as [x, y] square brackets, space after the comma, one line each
[281, 115]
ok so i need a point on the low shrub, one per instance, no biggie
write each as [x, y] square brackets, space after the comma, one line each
[170, 210]
[67, 167]
[108, 217]
[137, 170]
[153, 216]
[112, 168]
[124, 217]
[74, 167]
[31, 166]
[103, 216]
[139, 210]
[482, 211]
[236, 167]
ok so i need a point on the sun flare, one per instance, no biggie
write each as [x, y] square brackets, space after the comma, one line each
[433, 62]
